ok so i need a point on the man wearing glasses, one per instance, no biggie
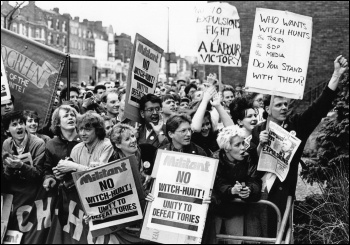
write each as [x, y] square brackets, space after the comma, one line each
[152, 130]
[179, 133]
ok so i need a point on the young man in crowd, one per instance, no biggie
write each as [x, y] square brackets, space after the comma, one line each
[169, 106]
[179, 133]
[190, 89]
[152, 129]
[301, 125]
[98, 92]
[228, 96]
[63, 126]
[7, 106]
[111, 103]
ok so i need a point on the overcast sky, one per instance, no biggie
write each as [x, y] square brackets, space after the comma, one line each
[146, 18]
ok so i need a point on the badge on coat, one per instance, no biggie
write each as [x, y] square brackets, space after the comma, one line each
[151, 138]
[147, 164]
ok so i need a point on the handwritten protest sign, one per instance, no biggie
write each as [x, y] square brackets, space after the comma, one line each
[33, 71]
[110, 194]
[5, 89]
[218, 34]
[179, 191]
[143, 74]
[278, 153]
[279, 53]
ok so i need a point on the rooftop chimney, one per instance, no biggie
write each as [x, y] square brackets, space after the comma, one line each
[57, 10]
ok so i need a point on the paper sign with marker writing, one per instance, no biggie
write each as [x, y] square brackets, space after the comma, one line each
[179, 191]
[218, 34]
[279, 53]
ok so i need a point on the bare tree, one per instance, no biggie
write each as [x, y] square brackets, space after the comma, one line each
[11, 15]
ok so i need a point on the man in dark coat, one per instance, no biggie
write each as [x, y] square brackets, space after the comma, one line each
[302, 125]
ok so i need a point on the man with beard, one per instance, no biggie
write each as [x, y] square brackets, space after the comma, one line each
[179, 133]
[152, 130]
[63, 125]
[169, 106]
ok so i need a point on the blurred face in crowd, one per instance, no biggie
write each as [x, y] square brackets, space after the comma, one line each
[17, 130]
[99, 94]
[279, 109]
[206, 127]
[184, 105]
[237, 150]
[151, 113]
[73, 96]
[108, 127]
[6, 107]
[157, 92]
[228, 97]
[122, 107]
[169, 107]
[250, 120]
[180, 85]
[163, 90]
[68, 120]
[32, 125]
[197, 96]
[191, 92]
[88, 135]
[112, 104]
[109, 86]
[177, 105]
[258, 101]
[182, 135]
[128, 144]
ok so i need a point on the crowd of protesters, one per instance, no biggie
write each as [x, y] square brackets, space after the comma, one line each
[90, 129]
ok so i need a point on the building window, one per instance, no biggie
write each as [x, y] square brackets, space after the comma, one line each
[79, 32]
[89, 34]
[24, 31]
[116, 42]
[14, 27]
[58, 39]
[30, 32]
[95, 35]
[58, 25]
[64, 26]
[49, 38]
[84, 33]
[64, 41]
[37, 33]
[84, 46]
[3, 21]
[43, 34]
[49, 23]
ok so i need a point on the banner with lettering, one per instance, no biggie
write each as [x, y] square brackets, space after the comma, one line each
[110, 194]
[179, 191]
[142, 76]
[5, 89]
[218, 34]
[279, 53]
[33, 71]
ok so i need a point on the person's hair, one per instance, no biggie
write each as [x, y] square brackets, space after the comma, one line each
[117, 132]
[56, 120]
[168, 91]
[31, 114]
[267, 101]
[238, 109]
[107, 118]
[189, 86]
[167, 97]
[12, 116]
[226, 135]
[149, 98]
[120, 94]
[92, 120]
[180, 80]
[63, 94]
[105, 94]
[97, 87]
[174, 122]
[226, 88]
[251, 97]
[177, 98]
[183, 99]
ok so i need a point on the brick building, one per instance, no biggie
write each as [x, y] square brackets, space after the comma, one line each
[123, 47]
[330, 37]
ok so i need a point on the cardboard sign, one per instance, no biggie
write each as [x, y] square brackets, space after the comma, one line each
[179, 191]
[109, 194]
[143, 75]
[279, 53]
[33, 71]
[5, 89]
[218, 35]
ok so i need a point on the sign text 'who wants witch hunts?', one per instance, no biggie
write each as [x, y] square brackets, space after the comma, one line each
[218, 34]
[109, 195]
[179, 191]
[5, 89]
[144, 72]
[279, 53]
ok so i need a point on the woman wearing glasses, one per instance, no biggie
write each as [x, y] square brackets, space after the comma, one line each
[204, 134]
[179, 132]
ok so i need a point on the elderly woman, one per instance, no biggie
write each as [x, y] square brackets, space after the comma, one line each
[32, 124]
[236, 178]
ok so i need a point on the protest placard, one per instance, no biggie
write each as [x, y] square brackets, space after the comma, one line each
[277, 154]
[218, 34]
[110, 195]
[179, 191]
[33, 71]
[279, 53]
[142, 76]
[5, 89]
[6, 207]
